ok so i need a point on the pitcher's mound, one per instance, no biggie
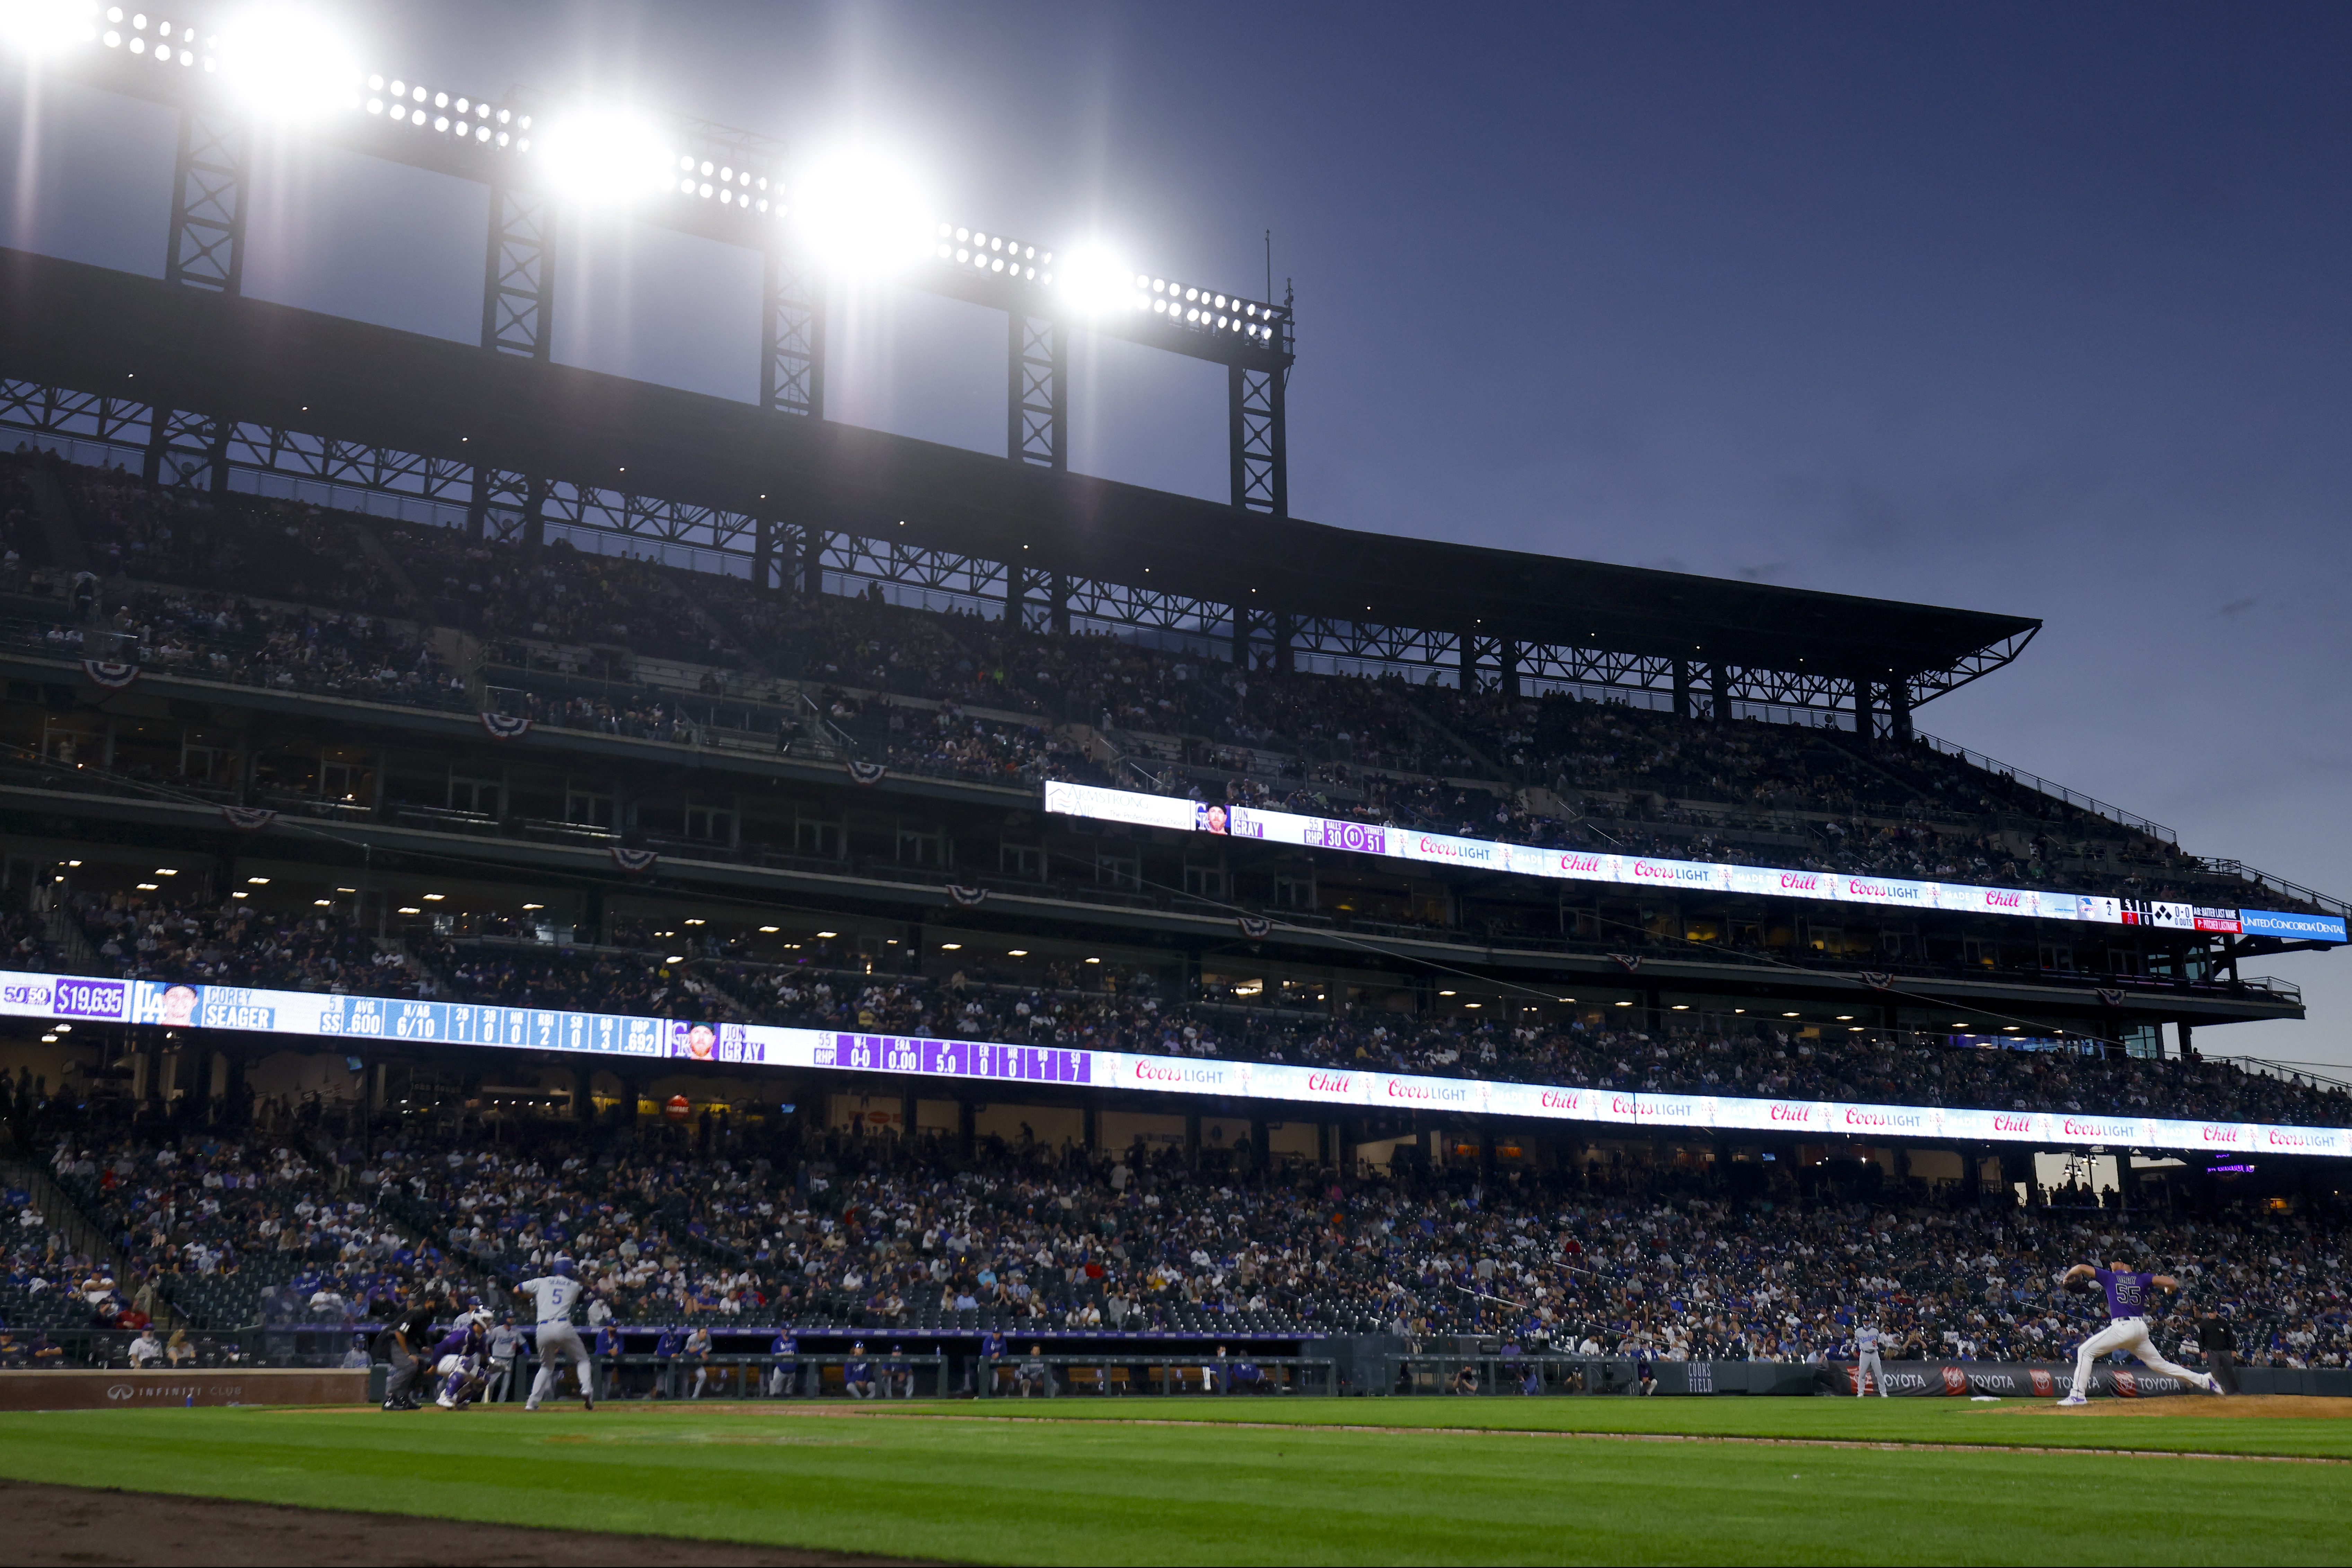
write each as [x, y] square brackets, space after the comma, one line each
[2201, 1404]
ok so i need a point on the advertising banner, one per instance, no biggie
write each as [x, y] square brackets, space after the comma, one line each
[316, 1016]
[1100, 805]
[2008, 1380]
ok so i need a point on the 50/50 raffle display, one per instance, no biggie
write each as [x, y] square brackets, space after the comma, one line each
[365, 1021]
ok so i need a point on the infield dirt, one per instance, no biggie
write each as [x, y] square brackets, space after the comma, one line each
[50, 1524]
[2267, 1405]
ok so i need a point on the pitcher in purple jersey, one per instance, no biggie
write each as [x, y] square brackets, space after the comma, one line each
[2128, 1300]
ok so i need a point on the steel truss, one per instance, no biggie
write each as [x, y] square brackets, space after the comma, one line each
[504, 505]
[385, 470]
[211, 199]
[902, 565]
[37, 409]
[1115, 606]
[208, 203]
[1333, 646]
[792, 314]
[1037, 391]
[1254, 412]
[627, 515]
[1928, 684]
[185, 448]
[519, 277]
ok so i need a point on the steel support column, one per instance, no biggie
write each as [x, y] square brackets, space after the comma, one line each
[206, 249]
[1721, 694]
[791, 318]
[208, 204]
[812, 566]
[519, 275]
[1036, 392]
[1058, 608]
[1254, 418]
[1681, 688]
[183, 445]
[1469, 649]
[517, 320]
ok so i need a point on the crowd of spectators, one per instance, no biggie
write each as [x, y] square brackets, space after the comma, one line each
[232, 545]
[236, 942]
[1548, 768]
[47, 1284]
[240, 1230]
[852, 1232]
[1760, 1061]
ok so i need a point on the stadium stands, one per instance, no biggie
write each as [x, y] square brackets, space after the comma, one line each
[568, 640]
[844, 1234]
[247, 943]
[350, 674]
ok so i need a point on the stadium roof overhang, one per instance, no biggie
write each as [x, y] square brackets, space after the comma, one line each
[100, 331]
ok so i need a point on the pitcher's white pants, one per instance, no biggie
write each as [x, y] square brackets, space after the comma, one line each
[2127, 1335]
[1865, 1366]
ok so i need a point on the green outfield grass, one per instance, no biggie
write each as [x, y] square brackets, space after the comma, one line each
[1095, 1484]
[2009, 1422]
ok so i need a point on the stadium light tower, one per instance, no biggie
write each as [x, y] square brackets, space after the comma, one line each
[43, 27]
[1096, 281]
[811, 216]
[285, 62]
[863, 211]
[603, 156]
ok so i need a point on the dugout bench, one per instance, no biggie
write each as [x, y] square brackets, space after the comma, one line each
[812, 1375]
[1108, 1376]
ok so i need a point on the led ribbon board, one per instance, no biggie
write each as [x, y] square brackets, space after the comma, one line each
[375, 1019]
[1099, 804]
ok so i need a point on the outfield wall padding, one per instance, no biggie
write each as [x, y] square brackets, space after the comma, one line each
[74, 1389]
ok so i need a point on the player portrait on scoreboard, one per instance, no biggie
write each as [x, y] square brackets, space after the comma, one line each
[178, 1006]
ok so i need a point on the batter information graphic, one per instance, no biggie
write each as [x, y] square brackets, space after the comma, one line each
[1100, 805]
[314, 1015]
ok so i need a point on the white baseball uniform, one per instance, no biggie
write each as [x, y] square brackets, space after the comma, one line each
[558, 1340]
[1866, 1364]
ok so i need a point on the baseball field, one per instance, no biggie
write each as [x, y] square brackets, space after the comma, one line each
[1484, 1480]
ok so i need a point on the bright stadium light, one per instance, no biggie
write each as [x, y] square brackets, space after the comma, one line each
[863, 212]
[45, 26]
[288, 62]
[1098, 282]
[604, 155]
